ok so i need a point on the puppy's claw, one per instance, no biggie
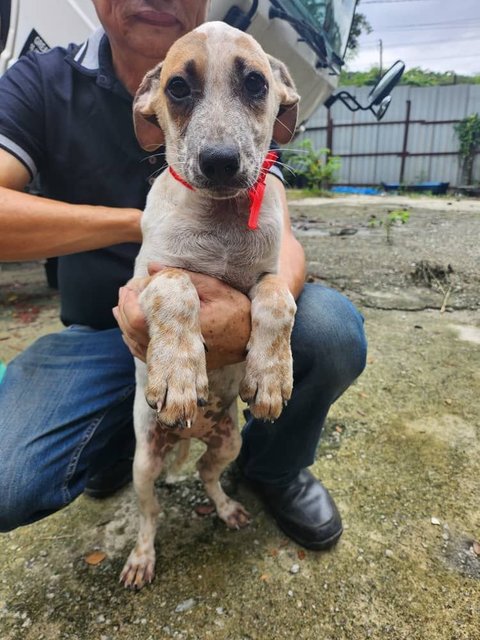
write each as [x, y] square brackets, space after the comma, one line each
[138, 572]
[151, 403]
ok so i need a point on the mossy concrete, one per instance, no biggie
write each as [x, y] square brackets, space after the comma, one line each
[400, 453]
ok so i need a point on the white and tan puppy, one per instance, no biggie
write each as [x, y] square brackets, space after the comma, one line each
[216, 102]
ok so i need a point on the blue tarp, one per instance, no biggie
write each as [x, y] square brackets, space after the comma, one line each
[436, 188]
[364, 191]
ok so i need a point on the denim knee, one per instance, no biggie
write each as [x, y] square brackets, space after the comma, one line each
[17, 491]
[328, 337]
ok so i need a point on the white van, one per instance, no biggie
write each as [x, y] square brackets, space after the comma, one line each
[310, 36]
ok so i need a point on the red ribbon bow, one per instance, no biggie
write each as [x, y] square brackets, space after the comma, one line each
[255, 193]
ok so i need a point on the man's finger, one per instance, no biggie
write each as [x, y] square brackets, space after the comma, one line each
[132, 323]
[135, 349]
[131, 312]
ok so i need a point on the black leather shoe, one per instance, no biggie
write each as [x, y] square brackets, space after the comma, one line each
[304, 510]
[108, 481]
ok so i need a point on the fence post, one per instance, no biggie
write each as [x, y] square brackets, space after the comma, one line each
[329, 133]
[405, 142]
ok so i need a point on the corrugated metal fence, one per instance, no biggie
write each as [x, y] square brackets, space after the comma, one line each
[415, 142]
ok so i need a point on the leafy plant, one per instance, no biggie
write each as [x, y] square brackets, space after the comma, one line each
[360, 25]
[397, 216]
[416, 76]
[468, 132]
[323, 13]
[313, 168]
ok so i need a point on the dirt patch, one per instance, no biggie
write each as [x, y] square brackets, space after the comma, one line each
[400, 454]
[432, 254]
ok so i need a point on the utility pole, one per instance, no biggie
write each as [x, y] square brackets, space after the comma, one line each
[380, 44]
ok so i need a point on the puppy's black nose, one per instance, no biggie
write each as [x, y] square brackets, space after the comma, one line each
[219, 164]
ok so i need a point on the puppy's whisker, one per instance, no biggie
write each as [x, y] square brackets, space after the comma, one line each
[287, 167]
[292, 149]
[284, 126]
[153, 155]
[156, 173]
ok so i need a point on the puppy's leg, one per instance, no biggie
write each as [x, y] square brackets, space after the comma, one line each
[268, 380]
[153, 443]
[177, 461]
[223, 446]
[177, 375]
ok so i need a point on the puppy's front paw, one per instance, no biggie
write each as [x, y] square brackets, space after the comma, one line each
[177, 380]
[139, 569]
[267, 385]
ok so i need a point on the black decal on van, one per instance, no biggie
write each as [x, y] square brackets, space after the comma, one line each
[34, 42]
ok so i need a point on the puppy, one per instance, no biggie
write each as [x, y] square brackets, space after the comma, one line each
[216, 102]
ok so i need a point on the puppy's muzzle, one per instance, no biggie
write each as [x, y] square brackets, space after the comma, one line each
[220, 165]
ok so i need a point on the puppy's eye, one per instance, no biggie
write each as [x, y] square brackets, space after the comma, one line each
[256, 85]
[178, 88]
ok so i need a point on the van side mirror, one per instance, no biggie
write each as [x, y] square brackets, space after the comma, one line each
[379, 97]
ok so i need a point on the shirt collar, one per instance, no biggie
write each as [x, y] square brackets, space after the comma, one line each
[94, 58]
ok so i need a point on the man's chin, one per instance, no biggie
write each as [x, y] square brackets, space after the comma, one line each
[153, 40]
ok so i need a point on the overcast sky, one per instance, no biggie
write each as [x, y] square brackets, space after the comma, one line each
[440, 35]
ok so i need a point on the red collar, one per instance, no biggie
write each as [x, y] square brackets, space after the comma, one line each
[255, 193]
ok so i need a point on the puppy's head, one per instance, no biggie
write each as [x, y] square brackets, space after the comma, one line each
[216, 101]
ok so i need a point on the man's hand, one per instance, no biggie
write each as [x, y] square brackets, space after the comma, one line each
[224, 318]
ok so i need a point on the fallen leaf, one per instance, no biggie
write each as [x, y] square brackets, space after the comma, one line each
[448, 401]
[204, 509]
[338, 429]
[26, 315]
[274, 553]
[94, 558]
[301, 554]
[265, 577]
[476, 548]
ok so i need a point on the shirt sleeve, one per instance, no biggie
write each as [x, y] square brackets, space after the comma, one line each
[22, 111]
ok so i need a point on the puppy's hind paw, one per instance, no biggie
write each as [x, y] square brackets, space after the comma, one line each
[234, 515]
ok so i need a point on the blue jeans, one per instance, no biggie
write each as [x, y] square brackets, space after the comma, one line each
[66, 407]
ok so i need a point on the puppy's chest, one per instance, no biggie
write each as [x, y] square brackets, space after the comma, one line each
[220, 246]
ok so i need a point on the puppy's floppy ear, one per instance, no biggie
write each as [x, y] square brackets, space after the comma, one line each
[286, 120]
[147, 129]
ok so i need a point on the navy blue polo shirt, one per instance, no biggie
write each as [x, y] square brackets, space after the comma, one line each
[68, 119]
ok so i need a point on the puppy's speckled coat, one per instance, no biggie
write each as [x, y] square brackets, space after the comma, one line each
[231, 93]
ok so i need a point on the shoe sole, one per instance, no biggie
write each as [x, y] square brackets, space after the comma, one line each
[324, 545]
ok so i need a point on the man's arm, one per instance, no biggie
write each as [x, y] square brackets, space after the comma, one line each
[224, 312]
[292, 256]
[32, 227]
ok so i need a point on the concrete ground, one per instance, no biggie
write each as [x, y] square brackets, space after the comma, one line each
[400, 453]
